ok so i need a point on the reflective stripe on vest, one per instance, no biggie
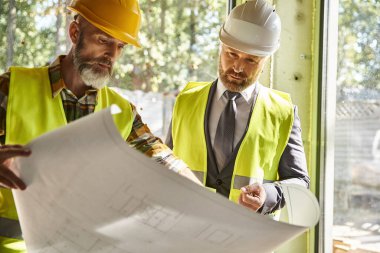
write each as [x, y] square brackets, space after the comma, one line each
[31, 112]
[10, 228]
[261, 149]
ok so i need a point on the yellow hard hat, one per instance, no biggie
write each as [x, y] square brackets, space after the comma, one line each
[118, 18]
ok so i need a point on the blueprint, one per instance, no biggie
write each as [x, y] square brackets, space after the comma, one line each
[88, 191]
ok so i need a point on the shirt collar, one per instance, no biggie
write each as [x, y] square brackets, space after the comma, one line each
[56, 80]
[247, 94]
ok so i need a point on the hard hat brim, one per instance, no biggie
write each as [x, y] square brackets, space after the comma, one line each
[255, 50]
[114, 32]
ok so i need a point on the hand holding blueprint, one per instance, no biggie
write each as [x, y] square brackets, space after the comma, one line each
[88, 191]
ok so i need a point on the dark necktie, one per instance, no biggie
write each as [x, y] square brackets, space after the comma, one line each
[225, 132]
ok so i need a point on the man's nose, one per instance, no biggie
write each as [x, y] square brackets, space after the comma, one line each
[238, 66]
[112, 52]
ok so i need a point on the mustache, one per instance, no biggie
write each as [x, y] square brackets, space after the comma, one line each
[239, 75]
[99, 60]
[103, 61]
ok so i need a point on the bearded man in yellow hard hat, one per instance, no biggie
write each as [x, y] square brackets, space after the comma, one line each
[240, 138]
[34, 101]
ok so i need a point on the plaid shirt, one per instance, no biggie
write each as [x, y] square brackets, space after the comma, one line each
[140, 137]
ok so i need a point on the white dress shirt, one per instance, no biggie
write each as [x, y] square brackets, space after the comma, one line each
[243, 109]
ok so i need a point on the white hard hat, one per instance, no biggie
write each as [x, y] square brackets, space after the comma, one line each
[253, 28]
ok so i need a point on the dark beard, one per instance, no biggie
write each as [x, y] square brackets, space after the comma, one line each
[232, 85]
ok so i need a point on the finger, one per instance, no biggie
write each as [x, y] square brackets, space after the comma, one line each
[251, 200]
[8, 149]
[250, 191]
[11, 146]
[246, 204]
[10, 152]
[5, 183]
[253, 188]
[8, 176]
[242, 202]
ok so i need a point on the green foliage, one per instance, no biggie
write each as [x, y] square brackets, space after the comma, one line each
[359, 39]
[179, 41]
[32, 46]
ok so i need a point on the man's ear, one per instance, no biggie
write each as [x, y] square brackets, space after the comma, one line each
[74, 32]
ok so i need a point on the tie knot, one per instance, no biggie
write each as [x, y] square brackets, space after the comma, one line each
[230, 95]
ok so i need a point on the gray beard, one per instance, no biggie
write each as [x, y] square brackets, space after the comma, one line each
[92, 79]
[89, 77]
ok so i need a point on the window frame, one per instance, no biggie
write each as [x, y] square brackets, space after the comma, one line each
[327, 75]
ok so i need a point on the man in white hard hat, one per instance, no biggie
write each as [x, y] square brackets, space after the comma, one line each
[240, 138]
[37, 100]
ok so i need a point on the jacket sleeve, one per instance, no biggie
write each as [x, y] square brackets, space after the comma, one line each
[142, 139]
[169, 137]
[292, 169]
[4, 90]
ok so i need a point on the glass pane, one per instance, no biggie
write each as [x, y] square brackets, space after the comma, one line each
[357, 132]
[179, 44]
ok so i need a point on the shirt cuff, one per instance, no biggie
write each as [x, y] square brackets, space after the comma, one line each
[274, 200]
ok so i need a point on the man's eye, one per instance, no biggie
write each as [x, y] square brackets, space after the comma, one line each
[102, 40]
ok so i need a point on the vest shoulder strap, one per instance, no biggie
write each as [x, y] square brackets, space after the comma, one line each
[194, 86]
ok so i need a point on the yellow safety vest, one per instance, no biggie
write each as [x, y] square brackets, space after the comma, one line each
[31, 112]
[259, 154]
